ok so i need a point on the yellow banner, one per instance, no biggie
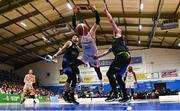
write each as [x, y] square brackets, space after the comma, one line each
[62, 78]
[143, 76]
[88, 79]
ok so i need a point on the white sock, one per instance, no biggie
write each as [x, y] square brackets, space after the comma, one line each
[101, 82]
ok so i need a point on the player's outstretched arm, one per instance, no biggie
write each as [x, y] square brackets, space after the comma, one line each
[97, 17]
[103, 54]
[61, 50]
[112, 22]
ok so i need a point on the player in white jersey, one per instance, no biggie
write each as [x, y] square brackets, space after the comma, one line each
[89, 50]
[29, 79]
[130, 79]
[88, 41]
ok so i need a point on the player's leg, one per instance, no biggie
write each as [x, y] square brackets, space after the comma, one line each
[67, 70]
[122, 62]
[96, 65]
[75, 71]
[32, 94]
[122, 86]
[98, 72]
[132, 93]
[23, 98]
[110, 74]
[73, 86]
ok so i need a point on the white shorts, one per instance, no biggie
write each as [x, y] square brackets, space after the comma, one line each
[93, 62]
[28, 86]
[130, 85]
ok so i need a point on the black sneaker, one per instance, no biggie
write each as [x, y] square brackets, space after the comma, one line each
[124, 100]
[119, 97]
[73, 100]
[112, 96]
[66, 97]
[34, 102]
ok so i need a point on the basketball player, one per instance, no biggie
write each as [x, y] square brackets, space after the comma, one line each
[29, 80]
[120, 62]
[130, 78]
[88, 41]
[71, 51]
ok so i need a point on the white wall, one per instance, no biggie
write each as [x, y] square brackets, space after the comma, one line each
[162, 59]
[41, 69]
[154, 59]
[6, 67]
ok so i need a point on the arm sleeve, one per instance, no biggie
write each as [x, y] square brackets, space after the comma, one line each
[95, 26]
[96, 14]
[74, 21]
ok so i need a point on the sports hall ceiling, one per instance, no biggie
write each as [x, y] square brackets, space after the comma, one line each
[29, 28]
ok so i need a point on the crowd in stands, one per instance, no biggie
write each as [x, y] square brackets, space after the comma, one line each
[137, 95]
[10, 83]
[154, 94]
[7, 87]
[17, 88]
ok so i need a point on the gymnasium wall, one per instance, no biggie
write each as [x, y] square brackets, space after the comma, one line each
[46, 73]
[153, 60]
[6, 67]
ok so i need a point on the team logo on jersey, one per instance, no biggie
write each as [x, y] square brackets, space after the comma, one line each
[87, 43]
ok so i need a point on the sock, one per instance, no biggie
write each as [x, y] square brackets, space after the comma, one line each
[101, 82]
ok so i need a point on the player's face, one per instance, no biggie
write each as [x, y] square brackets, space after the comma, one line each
[30, 71]
[75, 39]
[130, 68]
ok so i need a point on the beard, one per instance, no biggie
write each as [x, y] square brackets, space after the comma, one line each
[75, 41]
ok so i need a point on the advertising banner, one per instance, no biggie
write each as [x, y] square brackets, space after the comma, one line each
[169, 73]
[62, 78]
[143, 76]
[10, 98]
[43, 98]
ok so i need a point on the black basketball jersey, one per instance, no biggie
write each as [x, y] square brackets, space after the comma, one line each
[72, 52]
[119, 45]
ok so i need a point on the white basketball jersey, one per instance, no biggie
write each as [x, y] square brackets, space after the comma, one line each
[88, 45]
[130, 77]
[29, 79]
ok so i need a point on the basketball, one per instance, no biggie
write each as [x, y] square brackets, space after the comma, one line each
[82, 29]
